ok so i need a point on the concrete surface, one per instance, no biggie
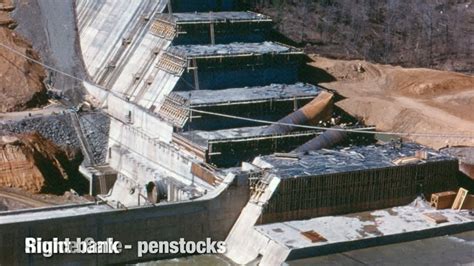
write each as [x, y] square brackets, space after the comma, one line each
[213, 216]
[51, 27]
[437, 251]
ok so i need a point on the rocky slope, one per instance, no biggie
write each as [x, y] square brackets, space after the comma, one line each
[434, 34]
[403, 100]
[34, 164]
[21, 84]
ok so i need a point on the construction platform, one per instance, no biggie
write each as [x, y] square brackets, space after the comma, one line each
[212, 17]
[230, 147]
[232, 50]
[212, 27]
[265, 103]
[273, 92]
[333, 234]
[234, 65]
[350, 159]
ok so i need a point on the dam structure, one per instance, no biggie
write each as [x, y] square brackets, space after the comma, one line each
[212, 134]
[145, 68]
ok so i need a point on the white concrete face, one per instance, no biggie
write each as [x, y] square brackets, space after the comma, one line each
[115, 33]
[104, 24]
[120, 53]
[244, 244]
[131, 114]
[164, 155]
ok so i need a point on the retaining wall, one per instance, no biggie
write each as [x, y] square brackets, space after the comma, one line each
[189, 220]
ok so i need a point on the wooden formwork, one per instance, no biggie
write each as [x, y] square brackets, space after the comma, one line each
[163, 29]
[171, 64]
[171, 110]
[331, 194]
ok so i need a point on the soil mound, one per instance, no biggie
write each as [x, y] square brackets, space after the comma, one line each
[413, 100]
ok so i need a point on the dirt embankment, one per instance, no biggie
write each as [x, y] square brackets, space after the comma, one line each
[404, 100]
[21, 84]
[34, 164]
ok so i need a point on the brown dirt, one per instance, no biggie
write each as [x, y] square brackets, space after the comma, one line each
[399, 99]
[17, 199]
[34, 164]
[21, 84]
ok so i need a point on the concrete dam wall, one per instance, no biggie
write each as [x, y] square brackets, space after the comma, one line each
[196, 221]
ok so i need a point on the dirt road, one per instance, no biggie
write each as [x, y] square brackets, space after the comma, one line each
[16, 200]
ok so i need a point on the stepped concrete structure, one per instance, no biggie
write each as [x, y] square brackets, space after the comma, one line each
[155, 63]
[190, 87]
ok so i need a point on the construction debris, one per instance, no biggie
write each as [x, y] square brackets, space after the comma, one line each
[435, 217]
[460, 198]
[314, 236]
[443, 200]
[406, 160]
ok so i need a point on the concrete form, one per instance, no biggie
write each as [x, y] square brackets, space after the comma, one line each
[231, 147]
[265, 103]
[212, 27]
[329, 182]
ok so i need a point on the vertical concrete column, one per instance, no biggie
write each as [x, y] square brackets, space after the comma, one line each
[196, 74]
[211, 29]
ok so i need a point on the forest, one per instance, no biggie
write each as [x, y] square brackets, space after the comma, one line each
[435, 34]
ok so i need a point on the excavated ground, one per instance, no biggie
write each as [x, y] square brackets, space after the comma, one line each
[34, 164]
[396, 99]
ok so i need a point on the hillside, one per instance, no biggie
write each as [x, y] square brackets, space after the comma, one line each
[433, 34]
[21, 84]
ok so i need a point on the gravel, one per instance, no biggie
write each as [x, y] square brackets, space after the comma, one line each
[60, 130]
[96, 130]
[57, 128]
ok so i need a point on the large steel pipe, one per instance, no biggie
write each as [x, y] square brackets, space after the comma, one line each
[328, 139]
[319, 109]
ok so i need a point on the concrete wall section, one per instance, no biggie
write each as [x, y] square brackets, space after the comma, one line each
[131, 114]
[149, 149]
[161, 83]
[124, 62]
[224, 33]
[105, 28]
[321, 195]
[140, 59]
[237, 76]
[269, 110]
[190, 220]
